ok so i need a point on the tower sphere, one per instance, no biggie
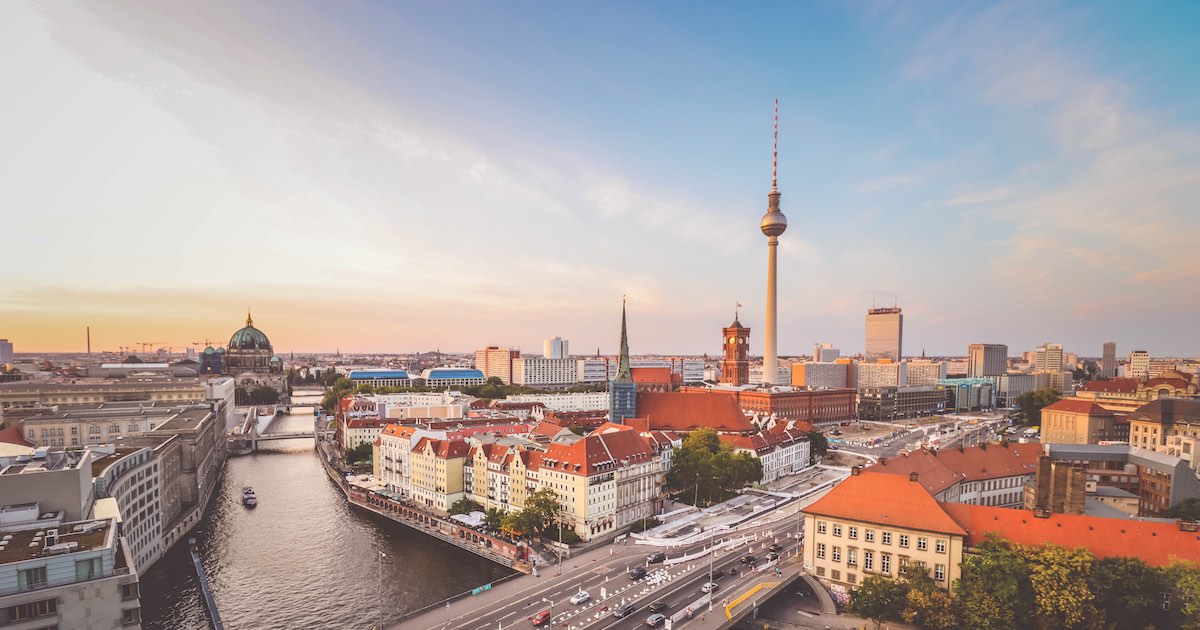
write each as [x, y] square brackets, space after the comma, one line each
[773, 223]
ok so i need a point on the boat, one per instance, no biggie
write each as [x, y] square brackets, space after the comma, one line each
[249, 499]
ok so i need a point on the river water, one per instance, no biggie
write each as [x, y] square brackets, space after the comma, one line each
[303, 558]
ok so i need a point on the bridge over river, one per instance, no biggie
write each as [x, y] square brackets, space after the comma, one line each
[258, 424]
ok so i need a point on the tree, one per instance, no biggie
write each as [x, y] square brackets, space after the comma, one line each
[519, 523]
[360, 453]
[1030, 404]
[1185, 595]
[1060, 587]
[492, 517]
[879, 599]
[994, 592]
[931, 609]
[707, 470]
[465, 505]
[495, 381]
[1130, 593]
[263, 395]
[542, 505]
[818, 443]
[1189, 510]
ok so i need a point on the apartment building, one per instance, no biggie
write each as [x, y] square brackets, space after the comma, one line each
[815, 375]
[781, 453]
[497, 362]
[544, 372]
[96, 423]
[437, 472]
[920, 372]
[576, 401]
[988, 474]
[1079, 421]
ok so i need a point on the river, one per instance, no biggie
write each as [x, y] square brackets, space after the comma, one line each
[303, 558]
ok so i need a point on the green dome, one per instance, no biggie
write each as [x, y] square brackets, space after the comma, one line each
[249, 338]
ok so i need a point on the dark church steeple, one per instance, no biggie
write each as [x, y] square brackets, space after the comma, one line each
[622, 391]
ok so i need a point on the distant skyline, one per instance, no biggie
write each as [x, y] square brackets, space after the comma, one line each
[401, 177]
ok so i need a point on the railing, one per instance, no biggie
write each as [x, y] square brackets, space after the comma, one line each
[57, 583]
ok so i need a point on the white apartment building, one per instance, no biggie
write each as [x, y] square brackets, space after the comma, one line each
[131, 476]
[921, 372]
[876, 375]
[596, 369]
[817, 375]
[575, 401]
[781, 453]
[540, 371]
[1139, 365]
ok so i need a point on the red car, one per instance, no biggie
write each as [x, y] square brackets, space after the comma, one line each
[541, 618]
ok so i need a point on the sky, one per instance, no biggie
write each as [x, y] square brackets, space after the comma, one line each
[405, 176]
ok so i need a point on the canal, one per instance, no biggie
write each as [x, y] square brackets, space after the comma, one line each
[303, 558]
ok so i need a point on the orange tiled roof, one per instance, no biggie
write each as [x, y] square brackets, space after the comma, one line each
[1077, 405]
[650, 374]
[609, 427]
[1178, 383]
[12, 434]
[941, 469]
[871, 497]
[400, 431]
[688, 411]
[1155, 543]
[1113, 385]
[548, 429]
[444, 449]
[597, 453]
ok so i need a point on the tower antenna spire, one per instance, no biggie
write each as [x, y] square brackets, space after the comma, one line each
[775, 150]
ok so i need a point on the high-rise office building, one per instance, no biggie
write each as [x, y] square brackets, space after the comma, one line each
[555, 348]
[6, 351]
[987, 359]
[1048, 358]
[1139, 365]
[826, 353]
[885, 334]
[498, 362]
[1108, 367]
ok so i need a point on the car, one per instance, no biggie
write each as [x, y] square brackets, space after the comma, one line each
[655, 620]
[718, 574]
[623, 610]
[637, 573]
[541, 618]
[656, 557]
[709, 587]
[580, 597]
[747, 559]
[658, 606]
[772, 556]
[776, 547]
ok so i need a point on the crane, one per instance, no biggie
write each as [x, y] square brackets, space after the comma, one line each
[151, 344]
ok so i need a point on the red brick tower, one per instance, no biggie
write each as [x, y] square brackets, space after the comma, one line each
[735, 368]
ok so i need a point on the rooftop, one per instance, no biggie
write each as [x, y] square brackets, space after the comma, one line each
[100, 462]
[186, 420]
[941, 469]
[686, 411]
[871, 497]
[1077, 405]
[18, 548]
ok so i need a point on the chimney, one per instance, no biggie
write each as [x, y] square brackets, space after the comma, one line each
[854, 470]
[1188, 526]
[912, 476]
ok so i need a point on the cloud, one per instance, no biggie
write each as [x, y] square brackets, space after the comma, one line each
[979, 197]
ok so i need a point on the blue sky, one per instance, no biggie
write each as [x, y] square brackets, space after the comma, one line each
[403, 176]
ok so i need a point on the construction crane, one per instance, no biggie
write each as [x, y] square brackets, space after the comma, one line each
[151, 344]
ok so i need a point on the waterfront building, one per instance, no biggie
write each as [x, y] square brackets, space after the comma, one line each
[544, 372]
[396, 443]
[62, 573]
[968, 394]
[575, 401]
[622, 390]
[1139, 365]
[1048, 357]
[61, 481]
[359, 431]
[885, 335]
[88, 390]
[381, 378]
[452, 377]
[886, 373]
[1081, 421]
[1160, 481]
[132, 477]
[556, 348]
[825, 353]
[437, 472]
[816, 375]
[494, 361]
[93, 423]
[781, 453]
[1108, 363]
[988, 474]
[986, 359]
[735, 367]
[6, 351]
[918, 372]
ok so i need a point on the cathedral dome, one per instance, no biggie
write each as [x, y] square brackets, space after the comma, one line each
[249, 338]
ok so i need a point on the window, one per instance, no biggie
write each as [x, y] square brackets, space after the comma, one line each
[940, 546]
[820, 570]
[903, 540]
[939, 572]
[903, 565]
[852, 556]
[868, 560]
[29, 579]
[31, 610]
[94, 430]
[885, 563]
[837, 529]
[131, 616]
[887, 538]
[820, 527]
[869, 535]
[837, 553]
[852, 533]
[835, 574]
[922, 543]
[74, 430]
[851, 578]
[820, 550]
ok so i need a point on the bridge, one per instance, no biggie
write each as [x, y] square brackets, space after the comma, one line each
[256, 428]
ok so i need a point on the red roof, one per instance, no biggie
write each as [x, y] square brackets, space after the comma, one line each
[1077, 405]
[650, 374]
[366, 423]
[688, 411]
[547, 429]
[12, 434]
[609, 427]
[444, 449]
[1177, 383]
[940, 469]
[870, 497]
[597, 453]
[1113, 386]
[1154, 542]
[400, 431]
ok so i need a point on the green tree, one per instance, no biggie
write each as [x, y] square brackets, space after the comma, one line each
[879, 599]
[1030, 404]
[1189, 510]
[263, 395]
[465, 505]
[1185, 595]
[706, 470]
[492, 517]
[994, 592]
[542, 504]
[1059, 578]
[818, 444]
[1130, 593]
[339, 389]
[519, 522]
[495, 381]
[926, 604]
[360, 453]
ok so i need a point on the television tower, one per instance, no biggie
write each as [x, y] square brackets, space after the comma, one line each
[773, 224]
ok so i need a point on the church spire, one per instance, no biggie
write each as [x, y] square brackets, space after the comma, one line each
[249, 320]
[623, 360]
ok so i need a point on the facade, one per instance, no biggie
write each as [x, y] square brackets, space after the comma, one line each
[987, 359]
[815, 406]
[890, 403]
[781, 453]
[102, 423]
[396, 443]
[359, 431]
[1010, 387]
[826, 353]
[622, 390]
[542, 371]
[968, 394]
[1160, 481]
[78, 575]
[448, 377]
[381, 378]
[131, 476]
[918, 372]
[1108, 363]
[575, 401]
[1077, 421]
[1139, 365]
[885, 335]
[735, 367]
[437, 472]
[85, 391]
[592, 370]
[1154, 424]
[815, 375]
[1048, 357]
[497, 362]
[988, 474]
[6, 351]
[555, 348]
[849, 537]
[884, 374]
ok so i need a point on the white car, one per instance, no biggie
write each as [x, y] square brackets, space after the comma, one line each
[708, 587]
[580, 597]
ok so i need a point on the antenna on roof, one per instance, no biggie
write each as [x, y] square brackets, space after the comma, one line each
[775, 149]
